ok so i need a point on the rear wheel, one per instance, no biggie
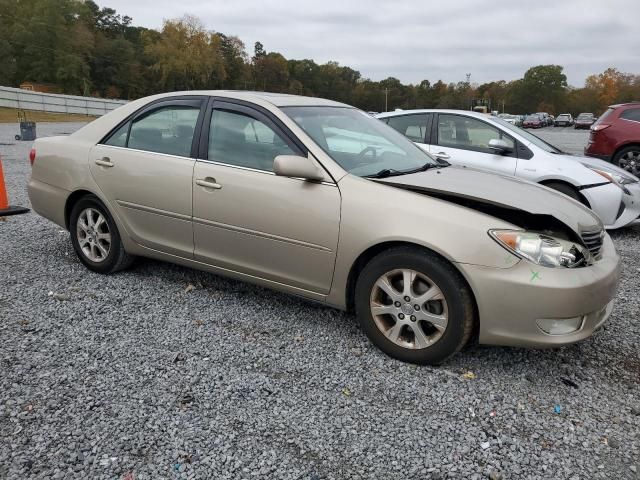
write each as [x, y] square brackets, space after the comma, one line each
[414, 306]
[629, 159]
[95, 237]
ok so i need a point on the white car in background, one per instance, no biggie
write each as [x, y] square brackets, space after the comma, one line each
[474, 140]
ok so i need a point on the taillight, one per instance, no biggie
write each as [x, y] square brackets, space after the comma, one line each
[602, 126]
[32, 156]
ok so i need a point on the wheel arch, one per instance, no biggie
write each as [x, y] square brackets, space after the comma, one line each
[547, 181]
[71, 201]
[623, 146]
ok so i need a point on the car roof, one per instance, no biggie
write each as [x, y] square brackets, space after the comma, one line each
[432, 110]
[276, 99]
[628, 104]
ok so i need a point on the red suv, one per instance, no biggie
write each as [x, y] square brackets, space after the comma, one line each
[615, 137]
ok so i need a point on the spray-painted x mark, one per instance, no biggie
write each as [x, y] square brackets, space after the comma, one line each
[534, 276]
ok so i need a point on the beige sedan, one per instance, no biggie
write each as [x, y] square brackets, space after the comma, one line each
[318, 199]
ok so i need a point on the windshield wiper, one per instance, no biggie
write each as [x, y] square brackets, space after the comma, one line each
[385, 172]
[390, 172]
[429, 166]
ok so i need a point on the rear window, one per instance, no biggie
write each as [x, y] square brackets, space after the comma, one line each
[631, 114]
[603, 116]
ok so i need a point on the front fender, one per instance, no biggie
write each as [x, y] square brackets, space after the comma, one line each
[605, 201]
[373, 214]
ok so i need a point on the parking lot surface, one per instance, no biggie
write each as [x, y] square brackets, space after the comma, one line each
[166, 372]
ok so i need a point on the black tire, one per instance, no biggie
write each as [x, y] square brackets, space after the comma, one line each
[456, 292]
[568, 190]
[631, 168]
[117, 258]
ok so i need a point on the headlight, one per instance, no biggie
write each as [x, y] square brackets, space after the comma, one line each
[616, 178]
[542, 249]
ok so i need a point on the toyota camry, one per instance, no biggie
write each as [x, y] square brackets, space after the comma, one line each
[320, 200]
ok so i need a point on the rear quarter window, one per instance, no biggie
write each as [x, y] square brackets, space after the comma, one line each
[631, 114]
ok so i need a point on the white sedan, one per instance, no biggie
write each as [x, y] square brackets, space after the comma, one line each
[484, 142]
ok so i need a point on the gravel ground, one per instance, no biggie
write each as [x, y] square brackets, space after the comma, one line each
[166, 372]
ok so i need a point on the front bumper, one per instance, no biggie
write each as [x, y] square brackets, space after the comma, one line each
[511, 301]
[631, 207]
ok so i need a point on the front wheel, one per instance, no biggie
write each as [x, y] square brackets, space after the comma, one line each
[414, 306]
[568, 190]
[95, 237]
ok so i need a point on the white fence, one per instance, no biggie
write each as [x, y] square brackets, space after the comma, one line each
[49, 102]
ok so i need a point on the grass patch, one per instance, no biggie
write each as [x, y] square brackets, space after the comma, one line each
[10, 115]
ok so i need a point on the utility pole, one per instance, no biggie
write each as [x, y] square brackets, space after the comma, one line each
[386, 99]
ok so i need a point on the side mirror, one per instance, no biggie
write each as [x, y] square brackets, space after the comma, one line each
[499, 145]
[297, 166]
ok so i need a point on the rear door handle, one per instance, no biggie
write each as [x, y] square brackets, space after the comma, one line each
[208, 183]
[105, 162]
[443, 155]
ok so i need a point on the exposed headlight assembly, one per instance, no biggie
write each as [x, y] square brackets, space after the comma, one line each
[542, 249]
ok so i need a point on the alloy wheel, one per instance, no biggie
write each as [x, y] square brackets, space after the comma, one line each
[409, 308]
[93, 235]
[630, 161]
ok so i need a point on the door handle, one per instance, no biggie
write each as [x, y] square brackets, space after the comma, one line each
[105, 162]
[442, 155]
[208, 183]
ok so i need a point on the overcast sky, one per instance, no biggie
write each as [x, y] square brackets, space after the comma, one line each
[424, 39]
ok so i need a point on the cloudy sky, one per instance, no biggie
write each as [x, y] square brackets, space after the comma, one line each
[423, 39]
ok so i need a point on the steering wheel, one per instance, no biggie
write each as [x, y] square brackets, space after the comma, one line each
[361, 155]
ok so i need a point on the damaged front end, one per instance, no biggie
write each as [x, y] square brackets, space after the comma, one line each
[543, 240]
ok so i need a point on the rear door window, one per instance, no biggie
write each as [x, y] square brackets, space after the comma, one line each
[119, 137]
[166, 130]
[414, 127]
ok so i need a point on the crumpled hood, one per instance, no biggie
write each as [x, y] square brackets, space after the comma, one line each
[476, 186]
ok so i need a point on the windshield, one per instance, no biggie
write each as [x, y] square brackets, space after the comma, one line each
[533, 118]
[564, 115]
[537, 141]
[359, 143]
[585, 116]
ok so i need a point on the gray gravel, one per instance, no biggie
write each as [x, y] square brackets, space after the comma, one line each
[137, 375]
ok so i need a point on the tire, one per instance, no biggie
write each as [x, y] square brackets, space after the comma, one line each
[453, 302]
[628, 159]
[568, 190]
[96, 253]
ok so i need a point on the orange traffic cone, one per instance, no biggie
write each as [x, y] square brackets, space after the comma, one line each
[5, 208]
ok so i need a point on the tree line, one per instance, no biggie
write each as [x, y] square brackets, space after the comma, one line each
[83, 49]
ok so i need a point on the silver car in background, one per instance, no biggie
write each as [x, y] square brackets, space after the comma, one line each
[321, 200]
[474, 140]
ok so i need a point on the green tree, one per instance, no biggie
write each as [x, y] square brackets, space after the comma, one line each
[187, 57]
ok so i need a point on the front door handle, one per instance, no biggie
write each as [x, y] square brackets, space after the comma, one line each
[105, 162]
[443, 155]
[208, 183]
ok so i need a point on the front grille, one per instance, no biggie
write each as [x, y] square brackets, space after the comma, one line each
[593, 241]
